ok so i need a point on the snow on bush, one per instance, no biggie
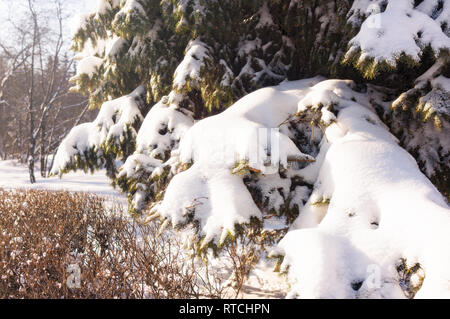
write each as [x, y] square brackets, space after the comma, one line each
[164, 125]
[145, 172]
[371, 210]
[396, 28]
[104, 5]
[88, 65]
[112, 130]
[191, 65]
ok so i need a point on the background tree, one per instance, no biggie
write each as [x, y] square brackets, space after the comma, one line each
[35, 72]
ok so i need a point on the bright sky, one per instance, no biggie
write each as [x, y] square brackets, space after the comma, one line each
[71, 5]
[13, 10]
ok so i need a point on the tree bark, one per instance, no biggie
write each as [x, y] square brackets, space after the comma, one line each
[32, 142]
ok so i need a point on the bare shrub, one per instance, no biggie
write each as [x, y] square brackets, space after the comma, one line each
[43, 233]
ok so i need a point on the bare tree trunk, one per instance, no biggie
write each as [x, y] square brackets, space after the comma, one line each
[32, 141]
[42, 152]
[3, 130]
[20, 140]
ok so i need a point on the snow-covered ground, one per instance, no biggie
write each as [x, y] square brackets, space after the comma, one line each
[14, 175]
[264, 282]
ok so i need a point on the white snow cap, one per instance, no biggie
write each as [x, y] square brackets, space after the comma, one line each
[162, 126]
[189, 68]
[104, 5]
[89, 65]
[114, 118]
[400, 28]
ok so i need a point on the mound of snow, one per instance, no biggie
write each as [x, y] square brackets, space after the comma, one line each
[163, 126]
[400, 28]
[371, 211]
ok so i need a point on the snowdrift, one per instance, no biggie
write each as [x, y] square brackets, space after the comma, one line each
[381, 215]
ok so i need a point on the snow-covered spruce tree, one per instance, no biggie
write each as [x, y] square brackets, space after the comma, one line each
[181, 132]
[202, 55]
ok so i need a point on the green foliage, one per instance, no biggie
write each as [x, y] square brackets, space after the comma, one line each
[87, 160]
[400, 75]
[143, 183]
[246, 50]
[410, 278]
